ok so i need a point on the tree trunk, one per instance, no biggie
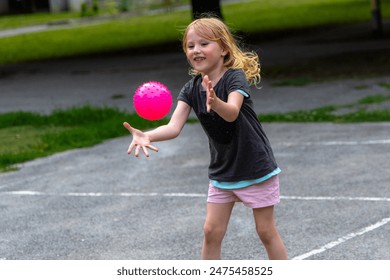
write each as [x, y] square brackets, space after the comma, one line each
[376, 17]
[206, 8]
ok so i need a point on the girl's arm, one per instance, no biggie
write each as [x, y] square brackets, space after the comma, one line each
[143, 140]
[227, 110]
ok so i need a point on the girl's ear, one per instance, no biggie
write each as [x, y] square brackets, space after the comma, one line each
[224, 52]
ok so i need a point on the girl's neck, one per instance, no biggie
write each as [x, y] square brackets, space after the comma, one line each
[216, 76]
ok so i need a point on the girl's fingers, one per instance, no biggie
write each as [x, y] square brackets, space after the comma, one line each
[153, 148]
[205, 82]
[128, 127]
[136, 145]
[145, 151]
[131, 147]
[210, 94]
[210, 99]
[210, 86]
[137, 148]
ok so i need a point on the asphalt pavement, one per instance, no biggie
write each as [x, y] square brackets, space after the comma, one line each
[100, 203]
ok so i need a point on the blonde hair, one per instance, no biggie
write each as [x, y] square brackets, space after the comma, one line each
[215, 30]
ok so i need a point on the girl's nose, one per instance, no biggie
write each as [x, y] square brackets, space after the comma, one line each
[196, 49]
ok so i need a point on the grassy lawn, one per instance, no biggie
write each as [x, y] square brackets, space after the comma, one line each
[329, 113]
[26, 136]
[15, 21]
[123, 33]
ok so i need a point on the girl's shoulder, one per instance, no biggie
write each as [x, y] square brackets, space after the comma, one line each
[234, 76]
[233, 80]
[235, 72]
[189, 90]
[193, 81]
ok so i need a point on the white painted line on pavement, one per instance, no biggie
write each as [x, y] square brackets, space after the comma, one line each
[343, 239]
[130, 194]
[335, 143]
[96, 194]
[335, 198]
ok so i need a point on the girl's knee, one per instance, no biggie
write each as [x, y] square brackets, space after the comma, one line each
[266, 234]
[214, 233]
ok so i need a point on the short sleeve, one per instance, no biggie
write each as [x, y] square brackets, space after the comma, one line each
[238, 82]
[186, 92]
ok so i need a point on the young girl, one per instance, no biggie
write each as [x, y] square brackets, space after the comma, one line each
[242, 165]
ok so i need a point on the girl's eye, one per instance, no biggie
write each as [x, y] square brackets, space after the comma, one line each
[204, 44]
[190, 46]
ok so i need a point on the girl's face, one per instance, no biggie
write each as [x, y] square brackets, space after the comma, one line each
[204, 55]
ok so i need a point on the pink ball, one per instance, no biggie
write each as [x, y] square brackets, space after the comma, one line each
[152, 101]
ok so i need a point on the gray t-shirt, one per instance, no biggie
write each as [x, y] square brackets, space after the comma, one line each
[239, 150]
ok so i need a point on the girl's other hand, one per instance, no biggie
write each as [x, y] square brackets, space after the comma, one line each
[140, 141]
[210, 94]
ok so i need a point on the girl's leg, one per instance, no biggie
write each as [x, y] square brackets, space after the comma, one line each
[217, 219]
[269, 235]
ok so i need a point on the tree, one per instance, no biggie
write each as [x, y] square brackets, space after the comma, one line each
[211, 7]
[376, 17]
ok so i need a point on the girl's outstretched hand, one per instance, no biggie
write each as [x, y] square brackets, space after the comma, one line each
[210, 94]
[140, 140]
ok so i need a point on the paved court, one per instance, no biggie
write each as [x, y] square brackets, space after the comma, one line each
[98, 203]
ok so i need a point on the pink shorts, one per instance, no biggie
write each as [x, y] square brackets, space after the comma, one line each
[255, 196]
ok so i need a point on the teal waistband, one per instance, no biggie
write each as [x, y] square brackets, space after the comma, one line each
[243, 184]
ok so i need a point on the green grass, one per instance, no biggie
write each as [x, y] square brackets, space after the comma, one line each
[26, 136]
[15, 21]
[326, 114]
[385, 85]
[257, 17]
[271, 15]
[105, 37]
[374, 99]
[22, 20]
[329, 113]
